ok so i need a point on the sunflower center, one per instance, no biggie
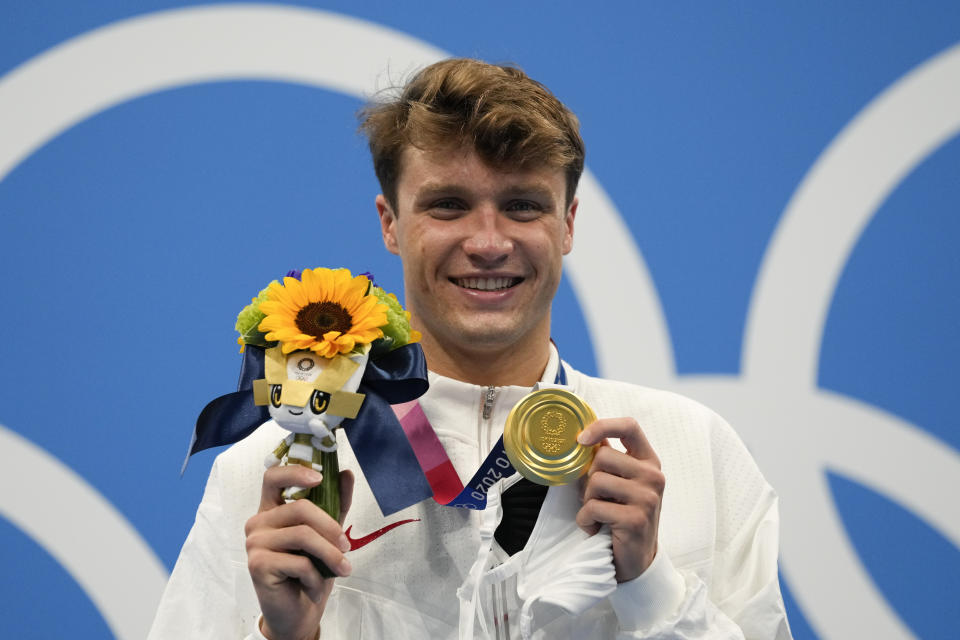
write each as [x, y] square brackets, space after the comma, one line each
[317, 318]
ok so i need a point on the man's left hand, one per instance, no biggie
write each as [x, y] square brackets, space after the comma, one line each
[623, 490]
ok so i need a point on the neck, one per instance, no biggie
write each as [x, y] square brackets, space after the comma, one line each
[518, 365]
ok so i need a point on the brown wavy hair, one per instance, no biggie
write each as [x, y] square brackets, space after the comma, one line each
[511, 120]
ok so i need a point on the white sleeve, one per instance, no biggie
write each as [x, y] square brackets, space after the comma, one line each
[200, 600]
[744, 601]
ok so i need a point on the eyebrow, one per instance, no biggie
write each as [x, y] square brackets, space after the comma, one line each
[434, 189]
[531, 190]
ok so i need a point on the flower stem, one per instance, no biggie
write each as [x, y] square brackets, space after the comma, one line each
[326, 495]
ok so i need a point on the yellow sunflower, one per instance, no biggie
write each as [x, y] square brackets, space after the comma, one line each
[326, 311]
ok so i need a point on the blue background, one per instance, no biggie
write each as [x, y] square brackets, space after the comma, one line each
[135, 236]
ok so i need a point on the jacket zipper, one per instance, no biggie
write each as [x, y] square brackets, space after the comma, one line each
[497, 594]
[489, 397]
[483, 427]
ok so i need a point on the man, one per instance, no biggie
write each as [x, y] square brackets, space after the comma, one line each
[479, 165]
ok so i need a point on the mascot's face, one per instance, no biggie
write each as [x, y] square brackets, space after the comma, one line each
[296, 405]
[294, 418]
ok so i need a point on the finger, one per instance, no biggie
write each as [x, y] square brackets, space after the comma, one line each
[604, 486]
[626, 429]
[276, 479]
[594, 513]
[270, 567]
[301, 539]
[620, 517]
[617, 463]
[346, 493]
[296, 513]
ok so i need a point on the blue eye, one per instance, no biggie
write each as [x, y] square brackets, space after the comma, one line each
[524, 210]
[447, 209]
[275, 390]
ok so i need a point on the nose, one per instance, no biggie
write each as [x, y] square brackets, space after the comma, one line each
[487, 242]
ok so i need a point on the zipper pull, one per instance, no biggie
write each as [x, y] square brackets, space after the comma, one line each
[488, 402]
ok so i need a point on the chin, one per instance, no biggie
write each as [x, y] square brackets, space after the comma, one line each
[487, 335]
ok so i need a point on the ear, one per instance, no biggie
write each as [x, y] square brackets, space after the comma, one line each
[388, 225]
[568, 233]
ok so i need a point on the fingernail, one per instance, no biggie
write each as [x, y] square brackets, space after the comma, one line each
[315, 476]
[344, 567]
[585, 438]
[343, 543]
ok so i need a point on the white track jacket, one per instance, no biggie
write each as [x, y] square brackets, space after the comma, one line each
[714, 575]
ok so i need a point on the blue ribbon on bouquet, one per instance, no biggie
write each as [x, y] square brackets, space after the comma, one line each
[375, 435]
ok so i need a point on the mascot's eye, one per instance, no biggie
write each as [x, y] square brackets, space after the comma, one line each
[319, 401]
[275, 390]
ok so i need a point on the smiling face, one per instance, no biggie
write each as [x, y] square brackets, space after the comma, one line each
[295, 402]
[481, 248]
[297, 418]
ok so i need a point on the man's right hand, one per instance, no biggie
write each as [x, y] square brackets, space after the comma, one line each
[291, 591]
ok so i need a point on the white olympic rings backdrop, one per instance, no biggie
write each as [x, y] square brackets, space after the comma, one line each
[797, 431]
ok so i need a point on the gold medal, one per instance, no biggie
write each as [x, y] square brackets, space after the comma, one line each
[540, 436]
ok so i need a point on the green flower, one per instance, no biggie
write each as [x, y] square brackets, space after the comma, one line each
[249, 319]
[397, 332]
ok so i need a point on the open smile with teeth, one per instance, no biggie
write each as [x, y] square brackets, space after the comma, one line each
[486, 284]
